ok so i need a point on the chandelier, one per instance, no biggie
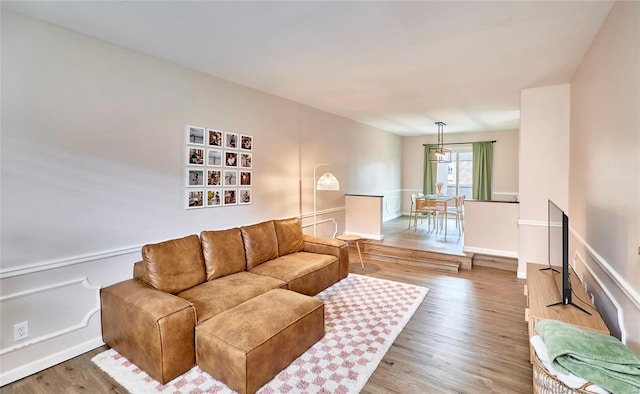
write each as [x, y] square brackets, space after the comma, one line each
[438, 153]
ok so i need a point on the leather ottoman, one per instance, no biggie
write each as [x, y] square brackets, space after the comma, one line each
[246, 346]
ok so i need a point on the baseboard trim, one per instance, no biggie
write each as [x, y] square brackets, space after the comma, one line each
[393, 216]
[10, 376]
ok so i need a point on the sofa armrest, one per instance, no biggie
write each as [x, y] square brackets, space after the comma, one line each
[153, 329]
[330, 246]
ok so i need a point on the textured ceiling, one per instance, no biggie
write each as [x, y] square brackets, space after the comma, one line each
[398, 66]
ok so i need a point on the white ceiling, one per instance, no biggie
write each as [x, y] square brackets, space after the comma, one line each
[399, 66]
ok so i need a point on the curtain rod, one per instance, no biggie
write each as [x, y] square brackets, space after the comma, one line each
[461, 143]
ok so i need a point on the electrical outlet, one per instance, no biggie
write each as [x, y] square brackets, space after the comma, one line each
[584, 284]
[593, 299]
[20, 331]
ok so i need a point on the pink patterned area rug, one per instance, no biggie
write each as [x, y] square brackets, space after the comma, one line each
[363, 317]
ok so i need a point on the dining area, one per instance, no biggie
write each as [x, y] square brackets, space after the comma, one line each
[436, 211]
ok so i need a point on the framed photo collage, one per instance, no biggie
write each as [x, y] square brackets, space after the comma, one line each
[218, 168]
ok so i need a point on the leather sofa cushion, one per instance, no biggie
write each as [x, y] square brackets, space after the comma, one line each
[223, 252]
[306, 273]
[247, 346]
[260, 243]
[217, 296]
[175, 265]
[289, 234]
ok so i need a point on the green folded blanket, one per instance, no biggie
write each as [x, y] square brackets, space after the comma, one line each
[598, 358]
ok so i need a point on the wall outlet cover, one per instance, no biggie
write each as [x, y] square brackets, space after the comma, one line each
[20, 330]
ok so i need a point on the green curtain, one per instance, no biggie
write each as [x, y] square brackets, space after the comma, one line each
[430, 168]
[482, 170]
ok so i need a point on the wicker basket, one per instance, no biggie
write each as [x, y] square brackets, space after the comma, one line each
[545, 383]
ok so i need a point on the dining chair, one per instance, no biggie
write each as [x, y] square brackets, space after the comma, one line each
[412, 210]
[457, 211]
[425, 207]
[441, 208]
[461, 211]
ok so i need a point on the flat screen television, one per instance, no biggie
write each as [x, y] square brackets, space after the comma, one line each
[558, 253]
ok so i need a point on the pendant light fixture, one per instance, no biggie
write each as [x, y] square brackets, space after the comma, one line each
[438, 153]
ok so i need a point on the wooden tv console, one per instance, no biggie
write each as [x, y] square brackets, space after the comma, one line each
[541, 291]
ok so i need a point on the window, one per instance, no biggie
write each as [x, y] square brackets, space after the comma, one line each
[457, 175]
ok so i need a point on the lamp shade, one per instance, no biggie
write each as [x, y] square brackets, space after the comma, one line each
[439, 154]
[328, 181]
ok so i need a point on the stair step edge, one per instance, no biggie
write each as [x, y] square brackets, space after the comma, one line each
[421, 264]
[409, 259]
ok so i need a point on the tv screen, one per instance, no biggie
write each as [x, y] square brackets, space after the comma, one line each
[558, 233]
[558, 248]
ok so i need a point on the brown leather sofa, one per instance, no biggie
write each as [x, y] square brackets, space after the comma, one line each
[180, 283]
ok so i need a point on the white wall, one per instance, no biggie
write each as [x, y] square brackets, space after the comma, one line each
[604, 188]
[544, 166]
[491, 228]
[93, 150]
[364, 216]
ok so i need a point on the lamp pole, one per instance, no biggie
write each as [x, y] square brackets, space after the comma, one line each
[315, 199]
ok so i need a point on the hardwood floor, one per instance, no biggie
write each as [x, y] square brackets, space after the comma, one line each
[397, 233]
[468, 336]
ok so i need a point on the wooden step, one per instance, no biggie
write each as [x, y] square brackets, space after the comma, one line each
[415, 257]
[498, 262]
[434, 265]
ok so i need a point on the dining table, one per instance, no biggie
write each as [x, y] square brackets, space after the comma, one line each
[441, 205]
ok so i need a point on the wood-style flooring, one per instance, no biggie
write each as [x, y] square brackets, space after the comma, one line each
[397, 233]
[468, 336]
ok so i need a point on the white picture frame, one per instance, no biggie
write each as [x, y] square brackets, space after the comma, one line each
[214, 177]
[215, 138]
[245, 178]
[246, 160]
[230, 178]
[213, 197]
[231, 140]
[245, 197]
[230, 196]
[195, 156]
[195, 135]
[195, 198]
[214, 157]
[246, 142]
[231, 158]
[195, 177]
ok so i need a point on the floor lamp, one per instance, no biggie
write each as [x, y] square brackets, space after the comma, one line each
[327, 181]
